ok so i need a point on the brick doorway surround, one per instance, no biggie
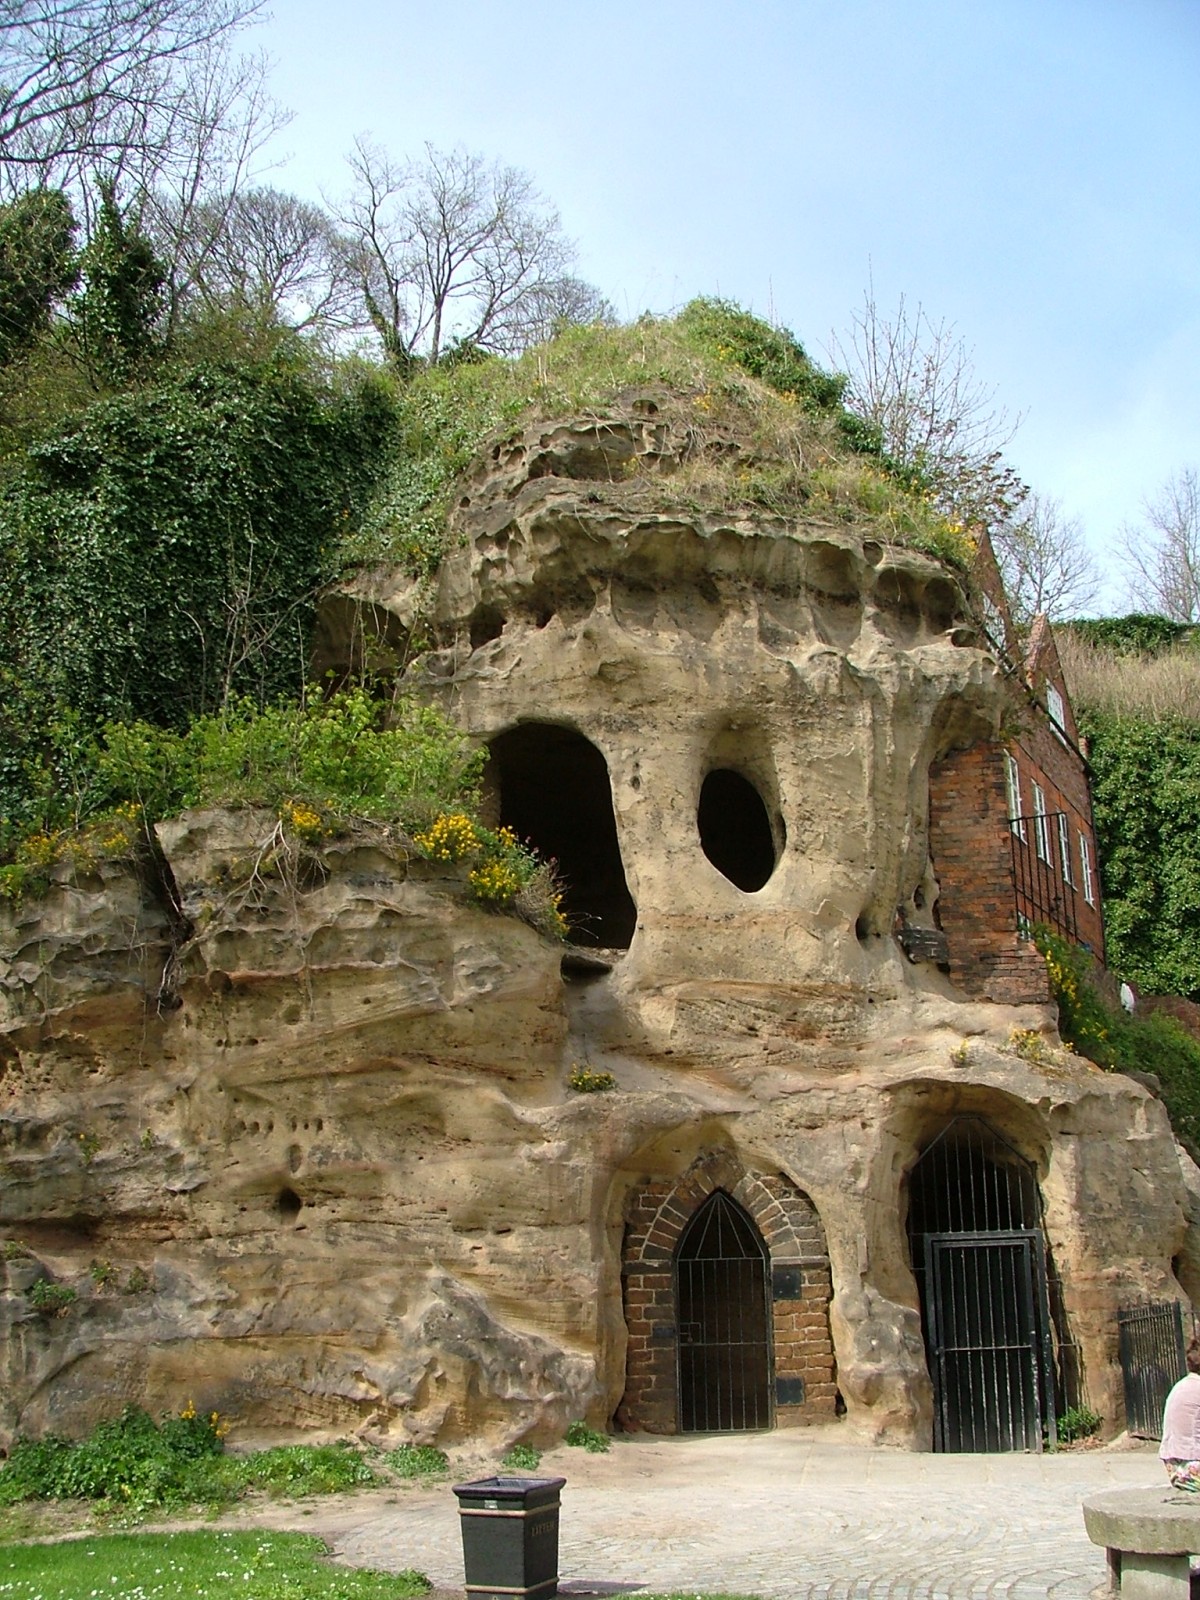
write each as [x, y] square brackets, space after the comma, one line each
[804, 1371]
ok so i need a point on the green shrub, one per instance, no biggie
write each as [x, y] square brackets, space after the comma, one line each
[349, 754]
[521, 1458]
[314, 761]
[1137, 634]
[1077, 1422]
[296, 1470]
[130, 1460]
[1146, 794]
[162, 551]
[771, 354]
[1111, 1038]
[417, 1461]
[142, 1465]
[587, 1438]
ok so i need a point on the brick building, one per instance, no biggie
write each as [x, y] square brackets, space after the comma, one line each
[1011, 832]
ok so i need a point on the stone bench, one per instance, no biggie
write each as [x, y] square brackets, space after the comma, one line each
[1149, 1535]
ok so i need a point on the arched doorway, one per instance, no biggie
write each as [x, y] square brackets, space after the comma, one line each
[552, 789]
[723, 1321]
[783, 1222]
[979, 1257]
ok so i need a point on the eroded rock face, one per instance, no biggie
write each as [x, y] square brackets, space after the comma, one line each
[303, 1140]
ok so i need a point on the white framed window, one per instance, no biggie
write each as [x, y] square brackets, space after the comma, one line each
[993, 622]
[1012, 785]
[1041, 823]
[1057, 710]
[1064, 847]
[1085, 869]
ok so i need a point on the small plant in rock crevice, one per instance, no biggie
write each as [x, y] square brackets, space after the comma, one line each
[1031, 1046]
[51, 1299]
[587, 1080]
[102, 1274]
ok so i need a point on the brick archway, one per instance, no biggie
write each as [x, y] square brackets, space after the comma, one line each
[804, 1370]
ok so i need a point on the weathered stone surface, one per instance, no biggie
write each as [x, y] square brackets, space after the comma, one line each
[313, 1129]
[1156, 1521]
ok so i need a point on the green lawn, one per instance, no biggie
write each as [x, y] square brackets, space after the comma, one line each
[192, 1566]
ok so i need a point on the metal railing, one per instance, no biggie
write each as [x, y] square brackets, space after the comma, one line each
[1152, 1360]
[1043, 893]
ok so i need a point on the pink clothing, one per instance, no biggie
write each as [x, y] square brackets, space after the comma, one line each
[1181, 1421]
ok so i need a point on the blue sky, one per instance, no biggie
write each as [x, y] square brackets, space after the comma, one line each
[1025, 169]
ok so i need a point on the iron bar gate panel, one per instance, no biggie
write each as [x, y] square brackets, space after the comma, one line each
[1152, 1360]
[722, 1311]
[1042, 892]
[987, 1320]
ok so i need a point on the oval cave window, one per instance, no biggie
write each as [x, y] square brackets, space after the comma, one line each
[735, 830]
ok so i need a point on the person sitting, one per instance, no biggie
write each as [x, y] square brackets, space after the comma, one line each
[1179, 1451]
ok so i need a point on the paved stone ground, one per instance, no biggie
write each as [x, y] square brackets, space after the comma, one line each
[794, 1514]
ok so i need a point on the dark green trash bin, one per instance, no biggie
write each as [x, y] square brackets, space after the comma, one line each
[510, 1536]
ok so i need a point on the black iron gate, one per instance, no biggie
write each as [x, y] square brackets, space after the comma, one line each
[987, 1316]
[979, 1258]
[723, 1321]
[1152, 1360]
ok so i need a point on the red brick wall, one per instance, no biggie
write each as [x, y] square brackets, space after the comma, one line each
[972, 851]
[658, 1212]
[969, 843]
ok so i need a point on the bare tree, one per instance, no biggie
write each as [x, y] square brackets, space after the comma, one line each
[452, 250]
[1162, 556]
[1045, 562]
[224, 117]
[98, 81]
[558, 303]
[267, 253]
[915, 381]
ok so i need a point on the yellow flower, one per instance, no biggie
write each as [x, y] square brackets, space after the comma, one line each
[449, 838]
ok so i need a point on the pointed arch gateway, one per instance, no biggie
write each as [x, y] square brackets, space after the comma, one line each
[722, 1329]
[726, 1289]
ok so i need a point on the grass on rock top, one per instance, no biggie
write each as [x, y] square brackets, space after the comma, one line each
[724, 375]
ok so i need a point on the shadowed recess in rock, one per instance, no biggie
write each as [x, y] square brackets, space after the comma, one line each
[555, 794]
[735, 830]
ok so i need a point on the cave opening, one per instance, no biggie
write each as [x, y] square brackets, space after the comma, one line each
[554, 793]
[735, 829]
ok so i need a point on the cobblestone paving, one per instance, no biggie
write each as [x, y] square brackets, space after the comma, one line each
[795, 1515]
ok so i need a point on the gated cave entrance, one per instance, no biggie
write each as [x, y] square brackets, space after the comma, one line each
[979, 1257]
[554, 793]
[723, 1322]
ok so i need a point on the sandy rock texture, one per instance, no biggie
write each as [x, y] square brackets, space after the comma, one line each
[301, 1137]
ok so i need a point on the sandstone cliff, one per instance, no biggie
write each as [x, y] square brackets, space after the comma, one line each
[304, 1143]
